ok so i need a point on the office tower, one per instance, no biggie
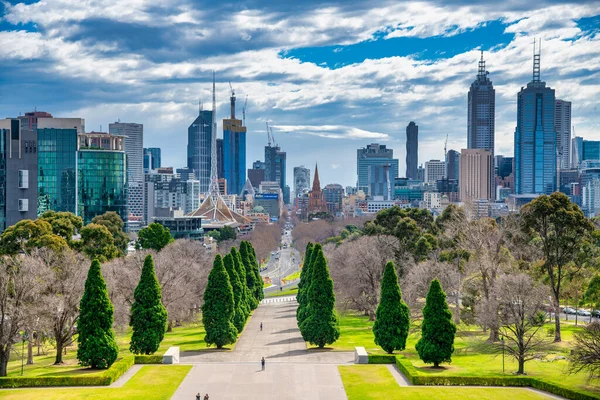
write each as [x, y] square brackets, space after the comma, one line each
[373, 154]
[134, 148]
[29, 121]
[420, 173]
[334, 196]
[301, 180]
[476, 170]
[102, 175]
[481, 111]
[503, 166]
[381, 181]
[316, 202]
[562, 124]
[412, 150]
[434, 170]
[234, 151]
[256, 176]
[220, 156]
[576, 151]
[535, 137]
[152, 159]
[199, 147]
[258, 165]
[275, 165]
[452, 164]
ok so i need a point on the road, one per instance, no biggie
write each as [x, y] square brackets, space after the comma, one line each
[287, 264]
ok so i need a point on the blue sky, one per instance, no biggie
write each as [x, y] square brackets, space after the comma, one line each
[329, 76]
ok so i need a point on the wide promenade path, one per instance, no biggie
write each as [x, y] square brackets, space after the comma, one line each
[292, 371]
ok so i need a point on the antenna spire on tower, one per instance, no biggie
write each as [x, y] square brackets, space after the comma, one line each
[536, 61]
[481, 74]
[214, 183]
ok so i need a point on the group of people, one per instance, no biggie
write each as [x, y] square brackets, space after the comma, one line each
[205, 397]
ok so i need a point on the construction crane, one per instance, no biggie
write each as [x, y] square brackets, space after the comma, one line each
[244, 111]
[232, 98]
[268, 135]
[273, 137]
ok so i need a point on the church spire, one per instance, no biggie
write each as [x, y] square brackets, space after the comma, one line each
[316, 182]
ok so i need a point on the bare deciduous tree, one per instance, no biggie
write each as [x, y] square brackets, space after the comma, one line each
[586, 354]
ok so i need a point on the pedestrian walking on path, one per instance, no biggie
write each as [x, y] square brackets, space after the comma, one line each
[206, 396]
[261, 326]
[262, 362]
[198, 396]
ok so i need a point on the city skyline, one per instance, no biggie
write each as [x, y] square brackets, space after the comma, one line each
[419, 62]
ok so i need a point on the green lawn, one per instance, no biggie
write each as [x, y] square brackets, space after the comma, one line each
[151, 382]
[291, 277]
[363, 382]
[188, 338]
[287, 292]
[472, 357]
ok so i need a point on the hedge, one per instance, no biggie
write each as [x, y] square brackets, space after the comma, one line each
[415, 378]
[151, 359]
[382, 359]
[104, 378]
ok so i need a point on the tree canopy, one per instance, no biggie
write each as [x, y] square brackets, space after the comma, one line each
[154, 236]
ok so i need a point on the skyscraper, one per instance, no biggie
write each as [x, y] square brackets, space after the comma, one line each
[476, 170]
[275, 165]
[412, 150]
[434, 170]
[234, 151]
[481, 112]
[562, 123]
[373, 154]
[334, 196]
[452, 164]
[301, 180]
[220, 157]
[199, 147]
[152, 159]
[535, 136]
[134, 148]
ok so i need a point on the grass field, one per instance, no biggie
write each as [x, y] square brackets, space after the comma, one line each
[287, 292]
[150, 382]
[188, 338]
[364, 382]
[291, 277]
[472, 356]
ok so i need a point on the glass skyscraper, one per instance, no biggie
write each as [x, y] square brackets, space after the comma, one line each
[199, 148]
[482, 111]
[535, 137]
[374, 154]
[152, 159]
[234, 152]
[57, 184]
[102, 176]
[412, 150]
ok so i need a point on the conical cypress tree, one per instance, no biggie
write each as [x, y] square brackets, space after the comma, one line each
[97, 345]
[250, 275]
[239, 318]
[301, 296]
[218, 307]
[437, 330]
[321, 326]
[302, 310]
[148, 314]
[245, 292]
[393, 315]
[259, 292]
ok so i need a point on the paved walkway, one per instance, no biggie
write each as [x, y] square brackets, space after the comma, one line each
[292, 371]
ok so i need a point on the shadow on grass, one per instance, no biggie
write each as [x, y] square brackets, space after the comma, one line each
[72, 372]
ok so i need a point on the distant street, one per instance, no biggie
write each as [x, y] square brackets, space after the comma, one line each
[282, 262]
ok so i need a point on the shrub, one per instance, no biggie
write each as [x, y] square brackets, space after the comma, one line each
[153, 359]
[382, 359]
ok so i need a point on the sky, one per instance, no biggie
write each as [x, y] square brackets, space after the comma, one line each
[330, 77]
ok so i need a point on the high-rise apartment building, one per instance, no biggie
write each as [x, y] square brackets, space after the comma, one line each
[334, 196]
[199, 148]
[562, 124]
[134, 148]
[481, 112]
[452, 164]
[275, 166]
[434, 170]
[234, 151]
[412, 150]
[152, 159]
[220, 157]
[102, 175]
[381, 182]
[373, 154]
[476, 170]
[301, 180]
[535, 137]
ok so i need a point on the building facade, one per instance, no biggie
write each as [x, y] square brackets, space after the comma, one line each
[234, 154]
[452, 164]
[334, 197]
[476, 170]
[301, 180]
[481, 112]
[152, 159]
[535, 137]
[434, 170]
[373, 154]
[316, 202]
[562, 124]
[381, 181]
[412, 150]
[199, 148]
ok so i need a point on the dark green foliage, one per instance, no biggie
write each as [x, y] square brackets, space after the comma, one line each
[26, 235]
[302, 310]
[148, 314]
[227, 233]
[302, 285]
[259, 286]
[393, 316]
[250, 275]
[218, 307]
[437, 330]
[97, 243]
[113, 222]
[97, 345]
[64, 224]
[153, 359]
[382, 359]
[154, 236]
[321, 326]
[239, 315]
[246, 295]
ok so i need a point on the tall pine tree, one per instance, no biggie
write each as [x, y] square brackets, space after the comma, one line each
[250, 275]
[302, 310]
[239, 317]
[218, 307]
[301, 296]
[245, 292]
[148, 314]
[437, 330]
[393, 315]
[96, 338]
[259, 292]
[321, 326]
